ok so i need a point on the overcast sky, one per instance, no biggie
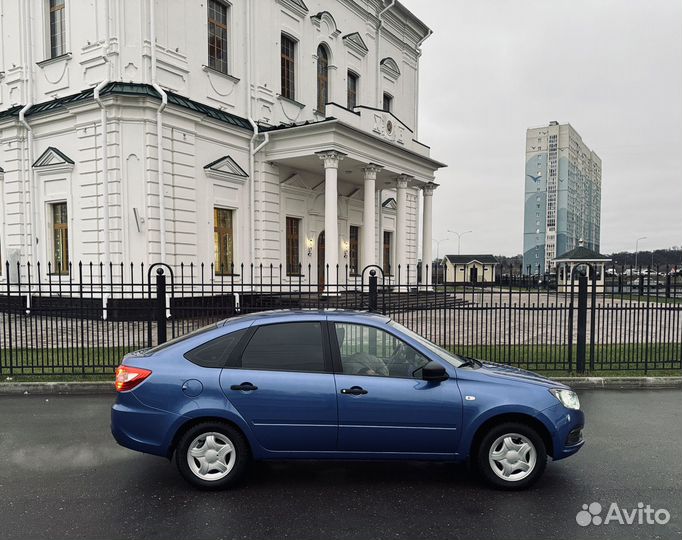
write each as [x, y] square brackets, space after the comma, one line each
[611, 68]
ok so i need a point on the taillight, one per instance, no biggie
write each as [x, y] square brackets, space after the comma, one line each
[128, 377]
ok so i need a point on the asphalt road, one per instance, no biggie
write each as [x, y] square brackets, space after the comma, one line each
[63, 476]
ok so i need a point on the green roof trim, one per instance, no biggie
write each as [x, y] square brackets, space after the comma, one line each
[582, 253]
[133, 90]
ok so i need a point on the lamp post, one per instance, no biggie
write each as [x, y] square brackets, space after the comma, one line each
[459, 239]
[437, 242]
[637, 248]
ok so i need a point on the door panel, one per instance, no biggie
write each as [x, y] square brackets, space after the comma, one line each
[289, 411]
[398, 415]
[293, 407]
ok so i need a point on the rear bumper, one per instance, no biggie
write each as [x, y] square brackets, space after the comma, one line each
[139, 427]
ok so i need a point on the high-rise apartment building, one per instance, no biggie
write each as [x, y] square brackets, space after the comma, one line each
[562, 196]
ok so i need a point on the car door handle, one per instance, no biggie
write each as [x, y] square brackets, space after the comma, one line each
[354, 391]
[244, 387]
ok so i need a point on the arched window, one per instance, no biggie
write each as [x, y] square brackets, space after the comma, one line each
[322, 77]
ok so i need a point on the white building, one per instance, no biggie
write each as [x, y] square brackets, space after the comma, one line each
[282, 125]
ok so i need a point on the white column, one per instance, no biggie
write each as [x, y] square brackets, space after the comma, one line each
[369, 235]
[331, 161]
[401, 229]
[427, 236]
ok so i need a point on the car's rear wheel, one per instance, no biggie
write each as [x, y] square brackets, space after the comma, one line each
[212, 455]
[511, 456]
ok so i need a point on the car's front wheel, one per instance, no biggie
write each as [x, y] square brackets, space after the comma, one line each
[212, 455]
[511, 456]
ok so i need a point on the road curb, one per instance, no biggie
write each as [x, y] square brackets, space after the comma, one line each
[57, 388]
[106, 387]
[621, 383]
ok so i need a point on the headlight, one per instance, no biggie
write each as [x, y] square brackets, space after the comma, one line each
[568, 398]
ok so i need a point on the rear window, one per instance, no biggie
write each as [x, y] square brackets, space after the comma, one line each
[214, 353]
[179, 339]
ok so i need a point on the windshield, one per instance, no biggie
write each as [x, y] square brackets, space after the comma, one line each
[446, 355]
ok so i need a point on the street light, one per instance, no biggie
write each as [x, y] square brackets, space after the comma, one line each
[437, 242]
[637, 248]
[459, 239]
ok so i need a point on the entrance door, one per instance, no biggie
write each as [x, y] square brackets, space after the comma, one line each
[473, 274]
[321, 273]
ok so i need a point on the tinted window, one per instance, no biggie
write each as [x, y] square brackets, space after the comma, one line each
[214, 353]
[286, 347]
[366, 350]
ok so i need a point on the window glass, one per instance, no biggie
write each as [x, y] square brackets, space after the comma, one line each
[292, 246]
[322, 78]
[60, 239]
[440, 351]
[353, 251]
[288, 65]
[388, 102]
[214, 353]
[352, 90]
[286, 347]
[388, 242]
[57, 28]
[217, 35]
[366, 350]
[223, 241]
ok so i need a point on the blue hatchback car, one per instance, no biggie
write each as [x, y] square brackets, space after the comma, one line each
[336, 385]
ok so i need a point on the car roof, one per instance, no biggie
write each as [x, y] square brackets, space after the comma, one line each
[321, 314]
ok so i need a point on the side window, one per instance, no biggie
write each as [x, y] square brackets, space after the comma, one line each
[214, 353]
[366, 350]
[286, 347]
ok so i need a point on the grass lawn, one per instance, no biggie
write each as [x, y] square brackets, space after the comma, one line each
[94, 364]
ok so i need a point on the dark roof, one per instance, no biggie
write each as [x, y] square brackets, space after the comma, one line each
[132, 89]
[466, 259]
[262, 128]
[581, 253]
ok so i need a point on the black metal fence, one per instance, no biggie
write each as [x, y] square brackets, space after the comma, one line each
[83, 322]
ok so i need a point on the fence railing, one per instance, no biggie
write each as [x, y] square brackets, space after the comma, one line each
[82, 322]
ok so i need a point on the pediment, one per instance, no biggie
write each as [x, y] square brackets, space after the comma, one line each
[326, 23]
[390, 67]
[53, 158]
[226, 168]
[355, 42]
[390, 204]
[295, 181]
[297, 6]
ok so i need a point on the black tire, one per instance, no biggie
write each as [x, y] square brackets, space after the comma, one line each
[485, 468]
[240, 448]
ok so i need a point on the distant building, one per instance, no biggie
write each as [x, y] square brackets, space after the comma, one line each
[470, 268]
[562, 196]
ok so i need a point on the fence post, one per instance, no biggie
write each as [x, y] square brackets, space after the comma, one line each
[582, 324]
[161, 306]
[373, 294]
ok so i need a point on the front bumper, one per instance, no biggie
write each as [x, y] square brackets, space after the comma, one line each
[566, 427]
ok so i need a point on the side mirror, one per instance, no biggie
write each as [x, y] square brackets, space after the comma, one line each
[434, 372]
